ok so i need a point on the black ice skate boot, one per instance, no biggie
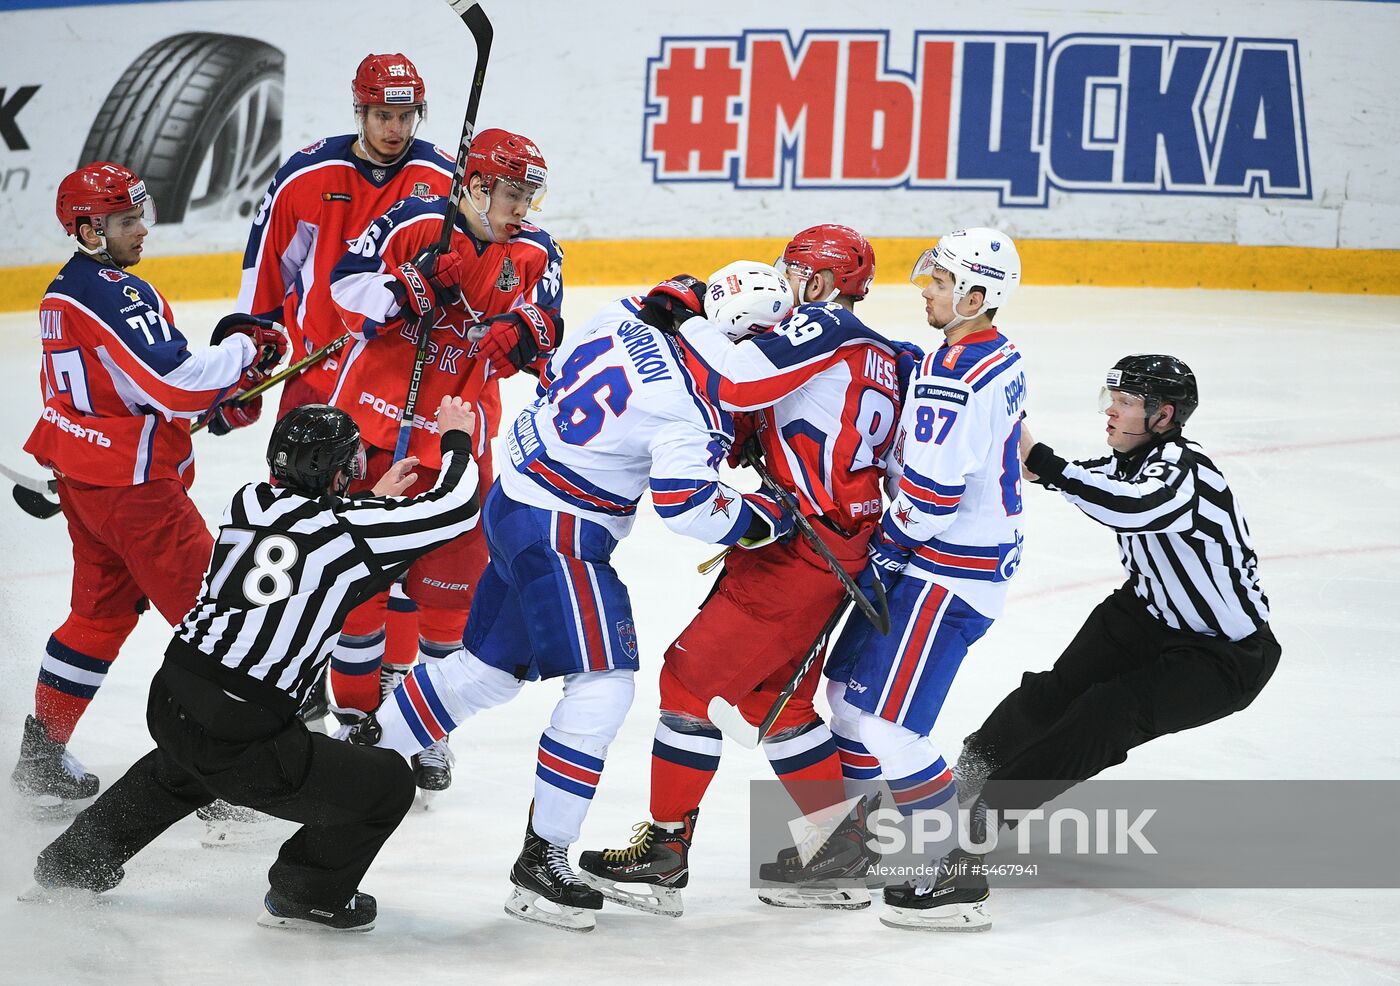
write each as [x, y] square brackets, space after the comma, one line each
[952, 901]
[317, 704]
[542, 874]
[658, 860]
[61, 878]
[356, 914]
[47, 773]
[835, 872]
[432, 770]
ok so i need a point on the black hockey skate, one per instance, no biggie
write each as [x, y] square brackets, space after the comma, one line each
[952, 901]
[357, 914]
[47, 774]
[834, 875]
[658, 859]
[542, 874]
[58, 880]
[317, 704]
[432, 770]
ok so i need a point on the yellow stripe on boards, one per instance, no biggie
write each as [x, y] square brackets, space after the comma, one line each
[1102, 263]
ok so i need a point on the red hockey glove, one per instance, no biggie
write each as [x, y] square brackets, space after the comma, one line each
[513, 340]
[270, 341]
[430, 280]
[673, 301]
[230, 415]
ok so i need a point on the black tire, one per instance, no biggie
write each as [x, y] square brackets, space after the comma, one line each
[173, 118]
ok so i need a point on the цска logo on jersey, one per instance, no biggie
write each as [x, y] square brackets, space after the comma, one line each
[1012, 113]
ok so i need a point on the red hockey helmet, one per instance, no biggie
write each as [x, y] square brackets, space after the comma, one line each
[839, 249]
[499, 153]
[97, 190]
[389, 80]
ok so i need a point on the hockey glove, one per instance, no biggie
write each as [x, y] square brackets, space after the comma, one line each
[513, 340]
[673, 301]
[230, 415]
[907, 360]
[430, 280]
[885, 565]
[769, 521]
[270, 341]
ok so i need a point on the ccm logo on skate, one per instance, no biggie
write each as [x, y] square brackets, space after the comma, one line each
[76, 430]
[389, 410]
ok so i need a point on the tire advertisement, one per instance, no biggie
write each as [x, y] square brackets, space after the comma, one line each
[1249, 123]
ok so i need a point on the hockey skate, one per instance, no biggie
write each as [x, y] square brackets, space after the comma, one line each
[542, 876]
[57, 883]
[432, 771]
[357, 914]
[954, 901]
[835, 872]
[317, 705]
[657, 860]
[47, 775]
[231, 825]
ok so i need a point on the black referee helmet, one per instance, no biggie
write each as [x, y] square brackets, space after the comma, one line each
[1159, 380]
[312, 446]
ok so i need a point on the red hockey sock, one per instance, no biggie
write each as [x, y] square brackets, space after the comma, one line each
[357, 655]
[440, 630]
[801, 750]
[685, 754]
[75, 664]
[401, 630]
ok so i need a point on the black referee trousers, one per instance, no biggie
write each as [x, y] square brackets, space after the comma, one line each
[1125, 679]
[349, 799]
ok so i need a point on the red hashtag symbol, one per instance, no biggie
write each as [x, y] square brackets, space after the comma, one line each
[695, 123]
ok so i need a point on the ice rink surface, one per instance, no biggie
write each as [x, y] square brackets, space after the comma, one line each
[1299, 407]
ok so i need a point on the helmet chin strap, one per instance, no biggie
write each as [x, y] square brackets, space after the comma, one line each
[957, 319]
[482, 212]
[101, 252]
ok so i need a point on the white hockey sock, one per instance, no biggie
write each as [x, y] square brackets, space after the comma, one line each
[860, 769]
[919, 778]
[435, 697]
[569, 762]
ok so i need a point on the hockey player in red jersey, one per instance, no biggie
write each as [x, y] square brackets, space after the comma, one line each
[824, 389]
[318, 204]
[120, 385]
[321, 201]
[492, 305]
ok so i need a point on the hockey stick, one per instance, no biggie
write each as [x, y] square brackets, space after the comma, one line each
[334, 346]
[477, 22]
[731, 722]
[29, 493]
[879, 617]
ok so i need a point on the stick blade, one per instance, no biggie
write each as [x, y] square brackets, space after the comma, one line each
[35, 504]
[731, 722]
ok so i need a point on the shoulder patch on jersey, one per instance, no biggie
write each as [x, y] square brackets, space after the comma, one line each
[115, 276]
[314, 147]
[950, 358]
[940, 392]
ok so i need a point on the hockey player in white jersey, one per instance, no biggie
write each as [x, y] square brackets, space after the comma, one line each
[948, 544]
[618, 414]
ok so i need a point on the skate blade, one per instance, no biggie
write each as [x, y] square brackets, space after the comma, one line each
[662, 901]
[424, 798]
[52, 808]
[949, 917]
[275, 921]
[525, 905]
[819, 898]
[62, 896]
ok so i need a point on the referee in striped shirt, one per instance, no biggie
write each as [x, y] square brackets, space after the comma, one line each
[292, 558]
[1183, 642]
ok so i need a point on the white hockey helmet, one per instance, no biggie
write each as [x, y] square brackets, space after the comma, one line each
[747, 297]
[977, 258]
